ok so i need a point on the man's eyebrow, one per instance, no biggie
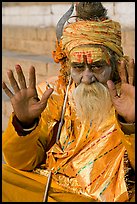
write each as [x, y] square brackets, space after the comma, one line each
[98, 63]
[76, 64]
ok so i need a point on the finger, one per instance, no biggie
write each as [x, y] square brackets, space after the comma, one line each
[12, 80]
[21, 77]
[32, 78]
[131, 72]
[7, 90]
[112, 89]
[45, 97]
[122, 71]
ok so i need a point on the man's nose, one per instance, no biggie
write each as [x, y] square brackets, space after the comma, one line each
[88, 76]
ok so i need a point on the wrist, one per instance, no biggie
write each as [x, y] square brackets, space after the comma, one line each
[127, 127]
[125, 119]
[27, 125]
[32, 127]
[24, 130]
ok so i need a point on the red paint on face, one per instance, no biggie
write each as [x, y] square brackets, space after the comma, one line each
[89, 59]
[78, 56]
[81, 56]
[85, 58]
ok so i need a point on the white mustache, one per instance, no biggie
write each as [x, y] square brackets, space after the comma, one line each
[92, 102]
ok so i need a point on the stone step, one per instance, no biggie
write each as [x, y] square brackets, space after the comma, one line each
[34, 40]
[44, 64]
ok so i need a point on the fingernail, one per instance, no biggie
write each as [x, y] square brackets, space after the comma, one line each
[17, 66]
[9, 70]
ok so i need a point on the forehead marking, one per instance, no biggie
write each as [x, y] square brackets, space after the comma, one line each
[83, 55]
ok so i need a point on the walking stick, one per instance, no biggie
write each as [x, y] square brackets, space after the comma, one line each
[45, 198]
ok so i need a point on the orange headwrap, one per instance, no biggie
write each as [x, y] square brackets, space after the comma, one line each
[107, 33]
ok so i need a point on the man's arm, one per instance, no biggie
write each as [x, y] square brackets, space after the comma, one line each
[24, 152]
[129, 139]
[26, 149]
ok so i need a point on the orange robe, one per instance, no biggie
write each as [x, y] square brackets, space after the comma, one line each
[87, 164]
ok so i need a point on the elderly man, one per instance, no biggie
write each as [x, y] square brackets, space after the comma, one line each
[72, 138]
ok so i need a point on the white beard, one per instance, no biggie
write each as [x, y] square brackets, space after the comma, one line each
[93, 102]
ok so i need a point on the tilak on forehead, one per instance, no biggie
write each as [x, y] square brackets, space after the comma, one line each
[81, 56]
[89, 55]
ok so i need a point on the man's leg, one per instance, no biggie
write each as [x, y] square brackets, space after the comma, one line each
[19, 188]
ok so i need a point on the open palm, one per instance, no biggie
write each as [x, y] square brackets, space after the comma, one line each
[26, 104]
[124, 102]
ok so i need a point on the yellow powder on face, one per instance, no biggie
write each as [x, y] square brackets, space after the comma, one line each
[92, 54]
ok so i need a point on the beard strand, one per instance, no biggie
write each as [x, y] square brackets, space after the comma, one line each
[93, 102]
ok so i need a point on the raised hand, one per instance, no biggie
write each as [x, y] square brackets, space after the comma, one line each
[124, 102]
[26, 104]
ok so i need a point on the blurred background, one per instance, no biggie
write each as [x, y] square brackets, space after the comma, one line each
[28, 37]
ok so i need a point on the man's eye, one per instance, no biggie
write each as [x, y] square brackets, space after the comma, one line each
[78, 67]
[97, 67]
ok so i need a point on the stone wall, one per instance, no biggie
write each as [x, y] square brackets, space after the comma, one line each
[48, 13]
[36, 40]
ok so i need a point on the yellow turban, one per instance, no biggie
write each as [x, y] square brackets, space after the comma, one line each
[107, 33]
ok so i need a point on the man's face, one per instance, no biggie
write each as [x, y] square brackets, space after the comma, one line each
[90, 65]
